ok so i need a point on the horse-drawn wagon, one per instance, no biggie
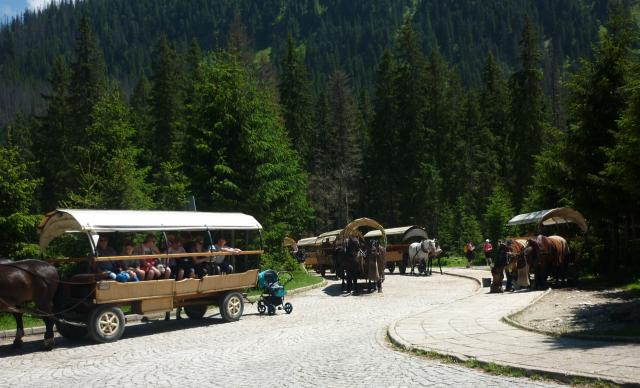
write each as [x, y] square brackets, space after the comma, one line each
[320, 251]
[356, 258]
[552, 244]
[398, 241]
[87, 305]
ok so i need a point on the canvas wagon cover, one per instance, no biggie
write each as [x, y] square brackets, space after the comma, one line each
[561, 215]
[407, 232]
[99, 221]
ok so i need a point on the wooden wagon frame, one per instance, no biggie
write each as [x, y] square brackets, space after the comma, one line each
[94, 307]
[398, 242]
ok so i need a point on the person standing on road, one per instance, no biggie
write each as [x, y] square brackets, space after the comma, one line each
[488, 252]
[468, 252]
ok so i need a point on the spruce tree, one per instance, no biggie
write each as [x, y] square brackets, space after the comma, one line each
[88, 80]
[409, 117]
[166, 104]
[527, 112]
[107, 172]
[498, 212]
[295, 98]
[53, 138]
[239, 157]
[380, 161]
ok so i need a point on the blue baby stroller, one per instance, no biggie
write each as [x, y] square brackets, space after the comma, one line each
[273, 292]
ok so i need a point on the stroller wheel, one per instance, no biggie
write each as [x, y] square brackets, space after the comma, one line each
[271, 309]
[261, 307]
[288, 308]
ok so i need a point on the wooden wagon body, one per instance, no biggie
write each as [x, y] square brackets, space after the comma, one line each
[398, 241]
[94, 307]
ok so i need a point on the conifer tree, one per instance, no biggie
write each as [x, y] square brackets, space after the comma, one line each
[380, 161]
[497, 214]
[166, 104]
[53, 138]
[409, 116]
[295, 97]
[527, 112]
[494, 112]
[239, 157]
[88, 80]
[107, 170]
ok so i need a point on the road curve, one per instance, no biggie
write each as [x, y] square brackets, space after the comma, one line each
[329, 340]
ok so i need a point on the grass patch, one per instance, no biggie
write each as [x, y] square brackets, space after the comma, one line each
[300, 279]
[501, 370]
[459, 261]
[7, 322]
[623, 281]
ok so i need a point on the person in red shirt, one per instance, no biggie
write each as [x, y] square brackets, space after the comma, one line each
[488, 251]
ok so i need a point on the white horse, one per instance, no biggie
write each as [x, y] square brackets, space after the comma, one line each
[422, 254]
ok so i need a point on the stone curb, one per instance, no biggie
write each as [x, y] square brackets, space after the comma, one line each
[563, 376]
[510, 320]
[28, 331]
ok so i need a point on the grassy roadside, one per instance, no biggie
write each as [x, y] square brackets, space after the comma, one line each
[459, 261]
[502, 370]
[300, 279]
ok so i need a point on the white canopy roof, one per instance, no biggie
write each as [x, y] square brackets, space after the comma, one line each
[560, 215]
[102, 221]
[303, 242]
[408, 232]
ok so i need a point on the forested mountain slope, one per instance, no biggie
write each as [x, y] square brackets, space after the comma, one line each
[337, 34]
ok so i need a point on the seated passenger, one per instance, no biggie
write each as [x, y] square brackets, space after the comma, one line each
[148, 247]
[182, 265]
[131, 267]
[219, 261]
[105, 269]
[200, 262]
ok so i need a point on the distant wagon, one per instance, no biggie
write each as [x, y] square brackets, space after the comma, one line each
[321, 248]
[398, 241]
[95, 307]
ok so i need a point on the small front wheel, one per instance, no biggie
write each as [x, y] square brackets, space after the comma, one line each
[262, 308]
[288, 308]
[391, 267]
[106, 324]
[231, 306]
[271, 309]
[196, 311]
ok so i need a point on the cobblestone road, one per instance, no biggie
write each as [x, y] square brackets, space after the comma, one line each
[328, 340]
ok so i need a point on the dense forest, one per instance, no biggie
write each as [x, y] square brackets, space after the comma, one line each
[307, 114]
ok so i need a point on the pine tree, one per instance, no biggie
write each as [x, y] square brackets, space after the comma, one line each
[295, 97]
[53, 138]
[166, 104]
[239, 157]
[88, 80]
[494, 111]
[345, 153]
[497, 213]
[17, 201]
[409, 116]
[527, 112]
[382, 202]
[107, 172]
[597, 102]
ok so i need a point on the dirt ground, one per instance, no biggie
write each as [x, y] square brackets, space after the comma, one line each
[610, 312]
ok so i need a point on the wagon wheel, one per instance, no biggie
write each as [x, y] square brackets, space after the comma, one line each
[70, 331]
[288, 308]
[391, 267]
[231, 306]
[262, 308]
[196, 311]
[106, 324]
[323, 271]
[271, 309]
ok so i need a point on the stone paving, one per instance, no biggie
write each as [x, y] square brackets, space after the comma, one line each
[472, 327]
[329, 340]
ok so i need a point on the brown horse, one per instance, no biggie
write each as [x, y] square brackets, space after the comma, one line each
[352, 263]
[517, 267]
[547, 255]
[27, 281]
